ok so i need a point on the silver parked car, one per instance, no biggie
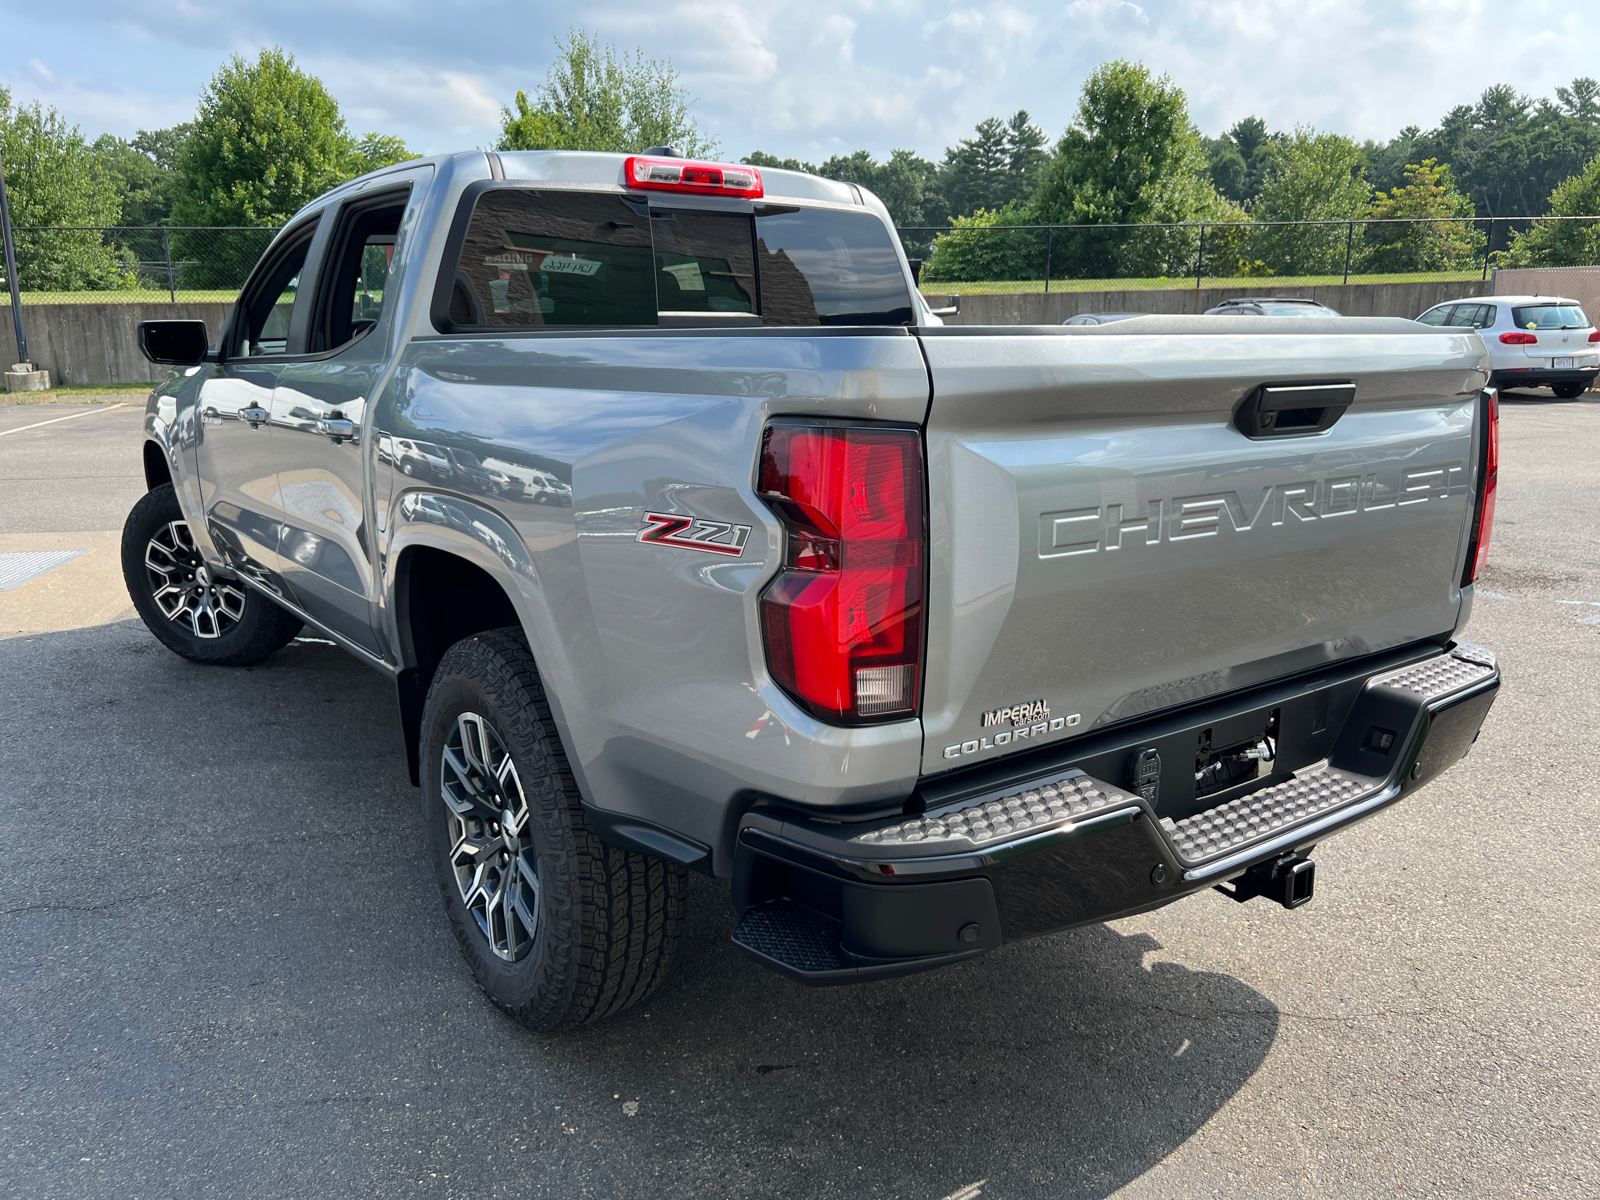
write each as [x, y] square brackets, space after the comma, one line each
[1533, 341]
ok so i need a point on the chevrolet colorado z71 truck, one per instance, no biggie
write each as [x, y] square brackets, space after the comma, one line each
[691, 540]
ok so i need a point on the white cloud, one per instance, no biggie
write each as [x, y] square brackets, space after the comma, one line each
[97, 110]
[819, 77]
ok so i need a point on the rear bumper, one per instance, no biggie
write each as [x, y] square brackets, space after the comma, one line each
[1542, 377]
[827, 903]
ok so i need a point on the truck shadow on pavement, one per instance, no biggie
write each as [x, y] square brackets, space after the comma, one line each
[242, 980]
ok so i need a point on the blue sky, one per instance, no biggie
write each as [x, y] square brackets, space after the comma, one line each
[808, 79]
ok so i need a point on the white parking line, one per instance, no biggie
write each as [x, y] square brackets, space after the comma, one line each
[55, 420]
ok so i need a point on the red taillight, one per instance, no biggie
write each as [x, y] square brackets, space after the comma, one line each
[1595, 336]
[843, 619]
[684, 175]
[1491, 480]
[1518, 338]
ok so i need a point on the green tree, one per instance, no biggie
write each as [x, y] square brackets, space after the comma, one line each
[1563, 243]
[1226, 168]
[376, 150]
[55, 178]
[1131, 156]
[1432, 244]
[999, 165]
[981, 248]
[1508, 152]
[596, 99]
[907, 185]
[144, 189]
[1313, 177]
[760, 158]
[268, 138]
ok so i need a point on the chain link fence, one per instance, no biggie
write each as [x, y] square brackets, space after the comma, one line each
[130, 264]
[91, 264]
[985, 257]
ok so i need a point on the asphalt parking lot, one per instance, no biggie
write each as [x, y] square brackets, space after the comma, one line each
[223, 970]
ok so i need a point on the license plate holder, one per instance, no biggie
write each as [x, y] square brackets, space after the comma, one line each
[1561, 364]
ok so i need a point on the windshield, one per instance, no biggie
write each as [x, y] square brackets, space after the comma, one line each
[1549, 316]
[1297, 310]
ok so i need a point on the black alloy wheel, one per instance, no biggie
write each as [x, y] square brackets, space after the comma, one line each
[193, 611]
[558, 928]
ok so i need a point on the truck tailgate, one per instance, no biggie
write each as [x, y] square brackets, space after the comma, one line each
[1105, 542]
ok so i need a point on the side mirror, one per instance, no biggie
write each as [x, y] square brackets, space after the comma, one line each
[174, 343]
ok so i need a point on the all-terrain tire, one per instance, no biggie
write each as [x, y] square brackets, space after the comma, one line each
[208, 620]
[607, 920]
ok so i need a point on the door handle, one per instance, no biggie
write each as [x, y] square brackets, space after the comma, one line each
[337, 428]
[255, 414]
[1288, 409]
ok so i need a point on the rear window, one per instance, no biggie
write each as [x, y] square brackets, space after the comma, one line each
[1549, 316]
[1297, 310]
[532, 258]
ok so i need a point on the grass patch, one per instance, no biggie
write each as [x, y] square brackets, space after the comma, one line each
[1254, 284]
[80, 393]
[131, 296]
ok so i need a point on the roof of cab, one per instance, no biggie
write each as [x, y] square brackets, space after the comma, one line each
[605, 170]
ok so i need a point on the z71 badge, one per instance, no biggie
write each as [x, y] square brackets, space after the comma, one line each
[694, 533]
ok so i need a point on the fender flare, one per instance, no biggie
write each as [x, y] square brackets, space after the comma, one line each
[444, 521]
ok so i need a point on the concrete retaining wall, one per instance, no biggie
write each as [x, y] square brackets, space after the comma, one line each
[94, 343]
[1352, 299]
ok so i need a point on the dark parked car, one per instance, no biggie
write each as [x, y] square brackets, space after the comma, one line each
[1271, 306]
[1098, 318]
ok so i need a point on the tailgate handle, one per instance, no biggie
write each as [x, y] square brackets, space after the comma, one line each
[1287, 409]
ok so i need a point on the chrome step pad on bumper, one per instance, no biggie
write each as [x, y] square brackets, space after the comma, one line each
[823, 904]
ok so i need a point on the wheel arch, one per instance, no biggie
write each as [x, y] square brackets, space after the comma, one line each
[157, 470]
[458, 569]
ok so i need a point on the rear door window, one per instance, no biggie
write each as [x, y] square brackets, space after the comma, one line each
[536, 258]
[1549, 316]
[1436, 316]
[1465, 315]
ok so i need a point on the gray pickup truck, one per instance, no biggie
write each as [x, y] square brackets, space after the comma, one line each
[692, 540]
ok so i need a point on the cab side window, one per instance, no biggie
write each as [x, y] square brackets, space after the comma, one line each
[1437, 316]
[356, 276]
[270, 298]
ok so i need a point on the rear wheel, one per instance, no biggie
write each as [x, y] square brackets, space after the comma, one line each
[1569, 391]
[558, 928]
[201, 616]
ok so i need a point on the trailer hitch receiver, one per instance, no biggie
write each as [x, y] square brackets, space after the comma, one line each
[1289, 879]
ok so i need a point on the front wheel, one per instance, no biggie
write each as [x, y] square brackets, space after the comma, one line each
[1569, 391]
[558, 928]
[200, 616]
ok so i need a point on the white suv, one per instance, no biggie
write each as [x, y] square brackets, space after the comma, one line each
[1533, 341]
